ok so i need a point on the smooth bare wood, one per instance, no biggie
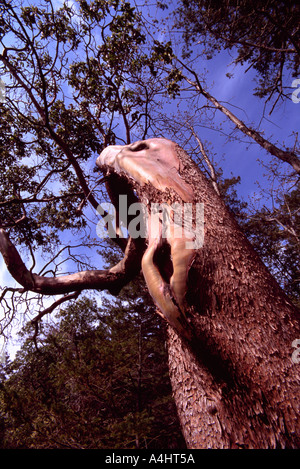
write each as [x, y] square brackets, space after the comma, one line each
[112, 279]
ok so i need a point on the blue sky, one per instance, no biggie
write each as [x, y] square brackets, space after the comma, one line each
[236, 93]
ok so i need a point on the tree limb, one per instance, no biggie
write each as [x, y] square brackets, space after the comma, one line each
[206, 159]
[287, 156]
[111, 279]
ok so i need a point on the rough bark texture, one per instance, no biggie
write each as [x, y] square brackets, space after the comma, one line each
[234, 383]
[235, 386]
[230, 335]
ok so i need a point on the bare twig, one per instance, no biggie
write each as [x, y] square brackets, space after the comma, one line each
[35, 321]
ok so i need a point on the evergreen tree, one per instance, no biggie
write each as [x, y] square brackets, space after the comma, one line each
[264, 35]
[98, 379]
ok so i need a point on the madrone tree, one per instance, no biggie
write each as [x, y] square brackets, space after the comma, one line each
[74, 76]
[231, 327]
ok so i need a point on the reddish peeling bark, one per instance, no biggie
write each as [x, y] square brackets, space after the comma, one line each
[234, 382]
[231, 327]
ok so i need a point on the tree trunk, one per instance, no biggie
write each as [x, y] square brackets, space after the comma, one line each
[235, 385]
[234, 382]
[232, 330]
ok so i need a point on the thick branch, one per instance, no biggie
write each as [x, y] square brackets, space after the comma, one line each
[111, 279]
[72, 159]
[43, 112]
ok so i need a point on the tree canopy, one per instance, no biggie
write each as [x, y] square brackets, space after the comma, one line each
[96, 379]
[264, 34]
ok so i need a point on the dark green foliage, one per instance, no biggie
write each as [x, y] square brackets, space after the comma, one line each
[265, 35]
[95, 378]
[73, 76]
[99, 379]
[275, 234]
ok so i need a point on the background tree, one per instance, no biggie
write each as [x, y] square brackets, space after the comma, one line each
[96, 378]
[264, 35]
[274, 232]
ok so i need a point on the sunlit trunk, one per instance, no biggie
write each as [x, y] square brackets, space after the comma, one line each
[234, 381]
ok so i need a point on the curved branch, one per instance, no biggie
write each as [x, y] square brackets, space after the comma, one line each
[43, 112]
[111, 279]
[35, 321]
[206, 159]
